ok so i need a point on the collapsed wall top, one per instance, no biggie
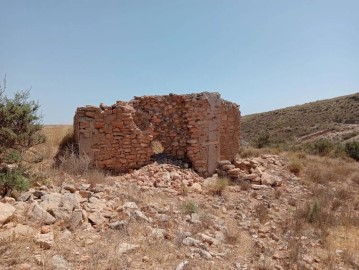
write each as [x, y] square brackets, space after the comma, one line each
[202, 128]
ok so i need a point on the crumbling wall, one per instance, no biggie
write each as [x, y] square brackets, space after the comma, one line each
[230, 130]
[202, 128]
[166, 115]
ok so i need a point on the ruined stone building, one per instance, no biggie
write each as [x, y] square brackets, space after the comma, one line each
[201, 128]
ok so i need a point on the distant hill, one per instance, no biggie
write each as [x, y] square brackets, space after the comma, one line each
[336, 119]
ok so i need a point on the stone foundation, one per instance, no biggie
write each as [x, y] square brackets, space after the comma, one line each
[202, 128]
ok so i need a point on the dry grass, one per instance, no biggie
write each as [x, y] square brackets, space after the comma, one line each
[44, 154]
[95, 177]
[55, 137]
[295, 166]
[73, 164]
[320, 170]
[345, 238]
[219, 186]
[190, 207]
[14, 251]
[60, 156]
[249, 151]
[330, 214]
[355, 178]
[183, 190]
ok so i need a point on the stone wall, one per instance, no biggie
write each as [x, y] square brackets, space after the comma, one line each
[202, 128]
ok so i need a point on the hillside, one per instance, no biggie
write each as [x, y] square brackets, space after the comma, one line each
[337, 119]
[287, 211]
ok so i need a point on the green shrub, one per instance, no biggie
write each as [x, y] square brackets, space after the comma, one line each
[13, 181]
[190, 207]
[19, 122]
[262, 140]
[321, 147]
[19, 130]
[314, 211]
[352, 150]
[13, 156]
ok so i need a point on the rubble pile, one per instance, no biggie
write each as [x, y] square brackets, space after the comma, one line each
[266, 170]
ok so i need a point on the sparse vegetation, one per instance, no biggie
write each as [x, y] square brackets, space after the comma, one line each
[321, 147]
[248, 151]
[352, 150]
[299, 121]
[183, 190]
[19, 131]
[219, 186]
[295, 166]
[262, 140]
[94, 177]
[19, 122]
[316, 211]
[13, 180]
[190, 207]
[70, 162]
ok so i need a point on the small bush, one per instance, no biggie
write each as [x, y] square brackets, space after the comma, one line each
[207, 220]
[219, 186]
[295, 166]
[94, 177]
[190, 207]
[315, 174]
[352, 150]
[314, 211]
[321, 147]
[71, 163]
[19, 121]
[183, 189]
[262, 140]
[316, 215]
[13, 156]
[13, 181]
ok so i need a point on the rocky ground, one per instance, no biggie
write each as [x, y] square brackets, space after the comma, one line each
[165, 217]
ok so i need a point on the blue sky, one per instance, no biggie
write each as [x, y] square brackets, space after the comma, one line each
[260, 54]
